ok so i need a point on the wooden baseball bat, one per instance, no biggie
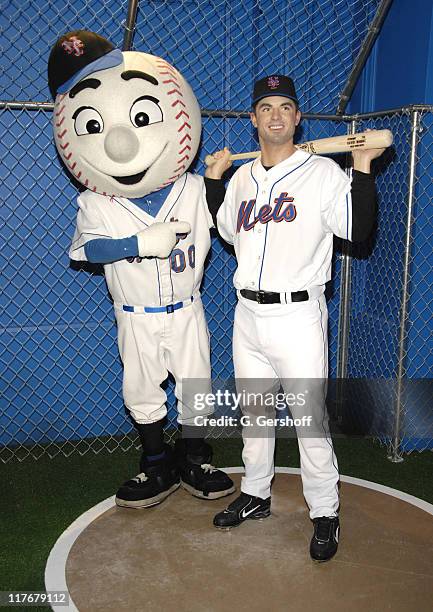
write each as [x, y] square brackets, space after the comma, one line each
[376, 139]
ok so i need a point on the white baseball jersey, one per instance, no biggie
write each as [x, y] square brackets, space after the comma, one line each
[152, 344]
[281, 221]
[152, 282]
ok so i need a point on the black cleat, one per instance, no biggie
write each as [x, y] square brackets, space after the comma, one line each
[324, 542]
[156, 481]
[242, 508]
[198, 476]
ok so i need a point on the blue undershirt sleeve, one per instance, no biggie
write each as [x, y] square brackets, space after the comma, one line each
[108, 250]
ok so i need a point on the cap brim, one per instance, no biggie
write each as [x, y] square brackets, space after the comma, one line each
[270, 95]
[110, 60]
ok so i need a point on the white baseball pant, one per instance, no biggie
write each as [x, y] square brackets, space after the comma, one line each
[287, 341]
[153, 344]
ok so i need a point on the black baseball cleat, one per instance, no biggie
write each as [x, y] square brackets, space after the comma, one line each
[198, 476]
[324, 542]
[241, 509]
[157, 480]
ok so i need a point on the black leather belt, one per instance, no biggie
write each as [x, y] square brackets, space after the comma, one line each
[270, 297]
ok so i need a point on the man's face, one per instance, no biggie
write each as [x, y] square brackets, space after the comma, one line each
[275, 118]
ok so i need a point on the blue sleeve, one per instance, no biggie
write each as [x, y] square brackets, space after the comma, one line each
[107, 250]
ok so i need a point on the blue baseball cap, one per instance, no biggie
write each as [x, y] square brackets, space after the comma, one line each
[274, 85]
[77, 54]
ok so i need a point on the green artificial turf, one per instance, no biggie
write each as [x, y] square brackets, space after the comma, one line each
[41, 498]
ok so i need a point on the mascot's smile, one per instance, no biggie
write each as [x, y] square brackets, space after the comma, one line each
[130, 180]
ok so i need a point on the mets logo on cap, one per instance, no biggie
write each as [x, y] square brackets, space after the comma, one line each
[273, 82]
[73, 45]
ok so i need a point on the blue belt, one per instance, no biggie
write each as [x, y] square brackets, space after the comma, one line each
[152, 309]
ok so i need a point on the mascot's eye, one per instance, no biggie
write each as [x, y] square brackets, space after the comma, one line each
[87, 121]
[145, 111]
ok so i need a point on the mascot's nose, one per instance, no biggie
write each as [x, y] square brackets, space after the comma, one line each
[121, 144]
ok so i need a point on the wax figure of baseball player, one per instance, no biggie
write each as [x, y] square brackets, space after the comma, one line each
[127, 125]
[280, 212]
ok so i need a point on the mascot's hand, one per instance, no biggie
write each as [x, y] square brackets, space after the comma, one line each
[159, 239]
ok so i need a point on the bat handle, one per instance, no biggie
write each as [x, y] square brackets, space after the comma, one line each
[209, 160]
[249, 155]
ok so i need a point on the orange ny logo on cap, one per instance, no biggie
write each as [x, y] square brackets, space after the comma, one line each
[273, 82]
[73, 46]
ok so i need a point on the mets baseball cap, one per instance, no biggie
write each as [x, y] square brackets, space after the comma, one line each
[274, 85]
[76, 55]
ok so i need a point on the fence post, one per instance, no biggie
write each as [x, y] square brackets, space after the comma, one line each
[395, 455]
[130, 25]
[344, 313]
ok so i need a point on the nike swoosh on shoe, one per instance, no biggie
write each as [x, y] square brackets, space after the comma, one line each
[245, 514]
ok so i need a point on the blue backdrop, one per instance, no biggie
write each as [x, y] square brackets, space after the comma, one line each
[60, 370]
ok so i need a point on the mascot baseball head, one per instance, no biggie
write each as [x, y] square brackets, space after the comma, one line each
[125, 123]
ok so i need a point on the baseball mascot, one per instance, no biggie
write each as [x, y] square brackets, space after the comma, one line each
[127, 126]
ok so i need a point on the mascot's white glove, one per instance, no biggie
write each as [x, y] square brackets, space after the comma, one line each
[158, 239]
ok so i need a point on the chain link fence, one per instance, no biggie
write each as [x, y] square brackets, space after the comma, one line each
[391, 312]
[60, 371]
[219, 45]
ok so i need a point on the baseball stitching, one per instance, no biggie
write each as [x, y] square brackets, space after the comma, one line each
[171, 78]
[62, 134]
